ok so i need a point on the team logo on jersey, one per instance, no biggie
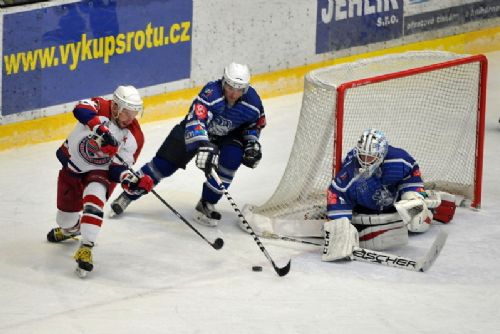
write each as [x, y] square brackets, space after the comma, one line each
[90, 151]
[383, 197]
[200, 111]
[332, 198]
[220, 126]
[207, 92]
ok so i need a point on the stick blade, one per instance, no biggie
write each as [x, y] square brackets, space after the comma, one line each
[218, 243]
[428, 260]
[283, 271]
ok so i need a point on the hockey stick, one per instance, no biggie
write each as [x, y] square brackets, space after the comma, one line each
[217, 244]
[266, 234]
[280, 271]
[390, 260]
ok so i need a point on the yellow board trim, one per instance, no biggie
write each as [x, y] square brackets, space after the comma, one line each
[176, 104]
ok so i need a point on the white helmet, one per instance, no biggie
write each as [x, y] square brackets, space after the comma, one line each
[237, 76]
[371, 150]
[127, 97]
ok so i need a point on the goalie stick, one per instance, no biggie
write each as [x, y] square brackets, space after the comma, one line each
[390, 260]
[280, 271]
[217, 244]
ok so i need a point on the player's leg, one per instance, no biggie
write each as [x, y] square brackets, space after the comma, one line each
[170, 156]
[231, 153]
[97, 189]
[69, 205]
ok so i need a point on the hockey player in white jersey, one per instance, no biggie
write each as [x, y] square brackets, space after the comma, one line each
[90, 170]
[377, 197]
[221, 129]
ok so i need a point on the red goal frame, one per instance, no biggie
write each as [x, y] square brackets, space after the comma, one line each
[481, 110]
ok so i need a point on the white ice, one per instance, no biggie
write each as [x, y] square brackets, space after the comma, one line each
[154, 275]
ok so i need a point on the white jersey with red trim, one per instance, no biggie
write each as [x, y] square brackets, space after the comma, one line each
[85, 155]
[81, 153]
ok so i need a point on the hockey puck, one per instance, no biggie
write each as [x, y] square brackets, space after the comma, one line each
[256, 268]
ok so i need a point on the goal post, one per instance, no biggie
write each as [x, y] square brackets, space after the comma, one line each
[430, 103]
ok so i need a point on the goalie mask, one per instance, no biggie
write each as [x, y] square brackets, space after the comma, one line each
[371, 150]
[237, 76]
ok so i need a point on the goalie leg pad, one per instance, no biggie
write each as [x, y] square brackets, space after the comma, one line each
[381, 237]
[340, 239]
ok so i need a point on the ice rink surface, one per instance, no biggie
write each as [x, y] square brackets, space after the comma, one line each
[154, 275]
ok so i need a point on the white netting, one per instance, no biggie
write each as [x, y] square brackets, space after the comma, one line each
[431, 114]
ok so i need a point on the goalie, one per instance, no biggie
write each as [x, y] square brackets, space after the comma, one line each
[377, 197]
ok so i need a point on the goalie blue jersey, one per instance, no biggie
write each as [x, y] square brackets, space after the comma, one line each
[351, 191]
[210, 116]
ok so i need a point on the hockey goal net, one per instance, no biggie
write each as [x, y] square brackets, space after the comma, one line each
[430, 103]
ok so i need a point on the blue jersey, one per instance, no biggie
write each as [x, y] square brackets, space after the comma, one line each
[210, 116]
[350, 190]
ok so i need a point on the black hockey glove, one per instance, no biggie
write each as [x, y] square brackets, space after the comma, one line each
[107, 142]
[252, 154]
[136, 185]
[207, 158]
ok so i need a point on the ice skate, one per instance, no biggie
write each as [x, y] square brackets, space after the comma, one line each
[120, 204]
[59, 234]
[205, 214]
[83, 258]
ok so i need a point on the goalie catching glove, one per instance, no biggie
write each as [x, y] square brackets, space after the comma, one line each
[414, 210]
[252, 154]
[207, 158]
[134, 185]
[340, 239]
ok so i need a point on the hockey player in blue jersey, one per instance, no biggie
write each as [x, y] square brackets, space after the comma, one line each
[377, 197]
[221, 129]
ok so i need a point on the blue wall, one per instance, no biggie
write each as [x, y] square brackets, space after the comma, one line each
[65, 53]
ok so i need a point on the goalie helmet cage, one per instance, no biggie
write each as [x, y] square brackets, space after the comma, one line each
[430, 103]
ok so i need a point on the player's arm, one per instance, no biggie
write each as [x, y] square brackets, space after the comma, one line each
[132, 183]
[340, 235]
[339, 201]
[199, 115]
[87, 113]
[252, 150]
[402, 170]
[196, 134]
[251, 133]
